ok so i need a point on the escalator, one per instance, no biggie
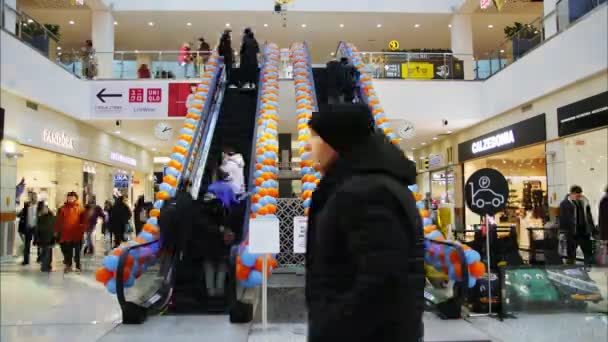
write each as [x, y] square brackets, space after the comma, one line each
[176, 284]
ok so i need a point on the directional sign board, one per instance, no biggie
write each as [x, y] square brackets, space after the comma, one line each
[486, 192]
[128, 99]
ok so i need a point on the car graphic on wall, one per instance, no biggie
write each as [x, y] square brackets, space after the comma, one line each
[484, 196]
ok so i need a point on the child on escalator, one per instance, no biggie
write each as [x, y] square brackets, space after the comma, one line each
[218, 200]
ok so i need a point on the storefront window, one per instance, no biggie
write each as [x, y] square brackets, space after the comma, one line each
[526, 173]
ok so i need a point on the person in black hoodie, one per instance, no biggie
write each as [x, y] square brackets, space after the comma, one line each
[364, 260]
[119, 218]
[249, 59]
[225, 50]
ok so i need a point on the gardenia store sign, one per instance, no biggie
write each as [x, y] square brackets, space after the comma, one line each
[58, 139]
[495, 141]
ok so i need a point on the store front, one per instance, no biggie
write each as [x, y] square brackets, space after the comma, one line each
[583, 129]
[518, 152]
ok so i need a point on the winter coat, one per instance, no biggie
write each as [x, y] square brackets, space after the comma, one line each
[234, 166]
[334, 80]
[23, 228]
[70, 223]
[603, 218]
[224, 192]
[204, 51]
[119, 217]
[568, 219]
[184, 55]
[225, 50]
[92, 220]
[249, 51]
[45, 233]
[364, 260]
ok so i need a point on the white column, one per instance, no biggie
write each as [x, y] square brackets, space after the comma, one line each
[8, 182]
[462, 42]
[556, 176]
[550, 20]
[10, 17]
[103, 41]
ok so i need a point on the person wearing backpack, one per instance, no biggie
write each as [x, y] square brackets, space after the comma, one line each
[364, 260]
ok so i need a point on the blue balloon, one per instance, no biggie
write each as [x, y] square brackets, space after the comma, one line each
[413, 187]
[270, 155]
[171, 171]
[270, 200]
[255, 277]
[384, 125]
[472, 281]
[307, 171]
[111, 286]
[183, 143]
[391, 135]
[306, 156]
[433, 235]
[427, 221]
[263, 201]
[110, 262]
[158, 204]
[152, 220]
[192, 121]
[318, 175]
[379, 116]
[130, 282]
[146, 236]
[471, 256]
[306, 203]
[420, 205]
[179, 157]
[260, 159]
[186, 131]
[256, 207]
[258, 173]
[248, 259]
[165, 187]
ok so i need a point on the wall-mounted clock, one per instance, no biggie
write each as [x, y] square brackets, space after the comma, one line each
[406, 130]
[163, 131]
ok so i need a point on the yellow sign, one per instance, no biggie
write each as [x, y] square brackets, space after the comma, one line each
[393, 45]
[417, 70]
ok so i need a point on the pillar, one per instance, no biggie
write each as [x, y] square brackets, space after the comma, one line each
[9, 15]
[550, 18]
[462, 43]
[103, 41]
[8, 181]
[556, 176]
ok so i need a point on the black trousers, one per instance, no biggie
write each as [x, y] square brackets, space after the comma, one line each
[586, 246]
[46, 258]
[71, 252]
[29, 236]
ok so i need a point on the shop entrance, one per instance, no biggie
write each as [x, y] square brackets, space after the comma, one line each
[526, 172]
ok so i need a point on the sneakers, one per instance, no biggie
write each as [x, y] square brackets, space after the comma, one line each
[232, 86]
[78, 270]
[246, 86]
[68, 269]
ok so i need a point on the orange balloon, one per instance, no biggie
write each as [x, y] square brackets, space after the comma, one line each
[381, 121]
[193, 116]
[258, 166]
[253, 216]
[140, 240]
[126, 273]
[271, 209]
[155, 212]
[424, 213]
[180, 150]
[162, 195]
[186, 137]
[259, 181]
[317, 181]
[242, 272]
[477, 269]
[306, 211]
[270, 162]
[259, 264]
[307, 194]
[262, 211]
[103, 275]
[174, 163]
[117, 252]
[255, 198]
[150, 228]
[273, 192]
[458, 271]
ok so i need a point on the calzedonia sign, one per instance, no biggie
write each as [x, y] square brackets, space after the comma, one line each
[520, 134]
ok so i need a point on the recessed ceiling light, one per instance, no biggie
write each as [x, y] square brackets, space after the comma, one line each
[227, 24]
[341, 25]
[450, 25]
[71, 22]
[379, 25]
[332, 53]
[435, 138]
[117, 132]
[422, 143]
[136, 51]
[265, 25]
[303, 25]
[417, 25]
[449, 132]
[189, 24]
[29, 21]
[490, 26]
[502, 51]
[115, 23]
[59, 48]
[151, 23]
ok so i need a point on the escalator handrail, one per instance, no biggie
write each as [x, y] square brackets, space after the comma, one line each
[209, 127]
[187, 174]
[203, 156]
[251, 177]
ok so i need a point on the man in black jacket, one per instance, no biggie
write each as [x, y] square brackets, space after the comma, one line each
[364, 267]
[575, 218]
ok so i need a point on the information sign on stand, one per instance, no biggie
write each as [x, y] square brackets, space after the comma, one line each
[264, 238]
[300, 226]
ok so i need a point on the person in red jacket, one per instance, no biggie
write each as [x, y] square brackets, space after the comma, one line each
[70, 228]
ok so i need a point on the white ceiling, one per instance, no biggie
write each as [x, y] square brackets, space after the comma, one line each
[322, 30]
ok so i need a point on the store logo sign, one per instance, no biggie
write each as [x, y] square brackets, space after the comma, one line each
[56, 138]
[115, 156]
[492, 142]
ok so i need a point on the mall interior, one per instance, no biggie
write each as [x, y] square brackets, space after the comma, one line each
[502, 105]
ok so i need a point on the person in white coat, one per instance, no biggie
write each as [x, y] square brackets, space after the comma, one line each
[234, 165]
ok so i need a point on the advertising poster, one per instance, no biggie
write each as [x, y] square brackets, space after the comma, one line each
[128, 100]
[178, 98]
[418, 70]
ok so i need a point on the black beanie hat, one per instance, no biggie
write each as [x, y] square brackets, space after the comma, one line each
[342, 126]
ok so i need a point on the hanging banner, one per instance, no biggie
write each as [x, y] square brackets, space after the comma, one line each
[131, 100]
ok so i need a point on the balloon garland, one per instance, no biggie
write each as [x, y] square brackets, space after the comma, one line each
[368, 93]
[306, 103]
[443, 258]
[264, 199]
[140, 259]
